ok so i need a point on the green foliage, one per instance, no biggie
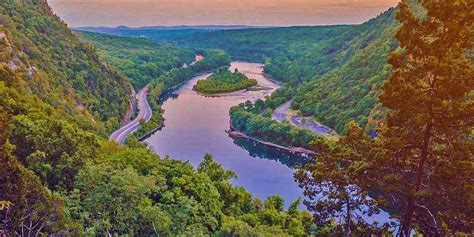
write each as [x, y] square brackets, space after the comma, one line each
[248, 119]
[139, 59]
[59, 69]
[189, 201]
[334, 73]
[59, 177]
[26, 204]
[224, 81]
[54, 149]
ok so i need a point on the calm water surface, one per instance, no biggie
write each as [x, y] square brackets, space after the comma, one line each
[195, 125]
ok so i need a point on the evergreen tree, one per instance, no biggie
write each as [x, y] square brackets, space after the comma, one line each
[335, 185]
[430, 114]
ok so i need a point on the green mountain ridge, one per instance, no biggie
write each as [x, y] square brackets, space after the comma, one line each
[334, 73]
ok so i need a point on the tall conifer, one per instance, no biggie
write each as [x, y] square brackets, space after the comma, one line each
[429, 98]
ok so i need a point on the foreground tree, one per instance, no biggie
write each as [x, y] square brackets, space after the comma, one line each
[334, 185]
[430, 113]
[27, 208]
[423, 157]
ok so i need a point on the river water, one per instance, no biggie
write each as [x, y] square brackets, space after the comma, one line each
[196, 124]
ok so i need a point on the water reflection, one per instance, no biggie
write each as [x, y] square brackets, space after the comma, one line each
[261, 151]
[196, 124]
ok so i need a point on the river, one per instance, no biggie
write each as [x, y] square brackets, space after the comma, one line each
[196, 124]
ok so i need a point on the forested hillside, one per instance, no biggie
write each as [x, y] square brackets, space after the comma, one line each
[337, 71]
[349, 91]
[59, 176]
[57, 67]
[334, 73]
[138, 58]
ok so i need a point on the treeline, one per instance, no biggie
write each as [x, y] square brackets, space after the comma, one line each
[224, 81]
[139, 59]
[256, 121]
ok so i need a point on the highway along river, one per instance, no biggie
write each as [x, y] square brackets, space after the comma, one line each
[196, 124]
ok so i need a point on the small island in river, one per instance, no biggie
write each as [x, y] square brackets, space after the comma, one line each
[224, 81]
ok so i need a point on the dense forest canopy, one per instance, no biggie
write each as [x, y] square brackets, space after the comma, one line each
[59, 99]
[58, 67]
[139, 59]
[59, 176]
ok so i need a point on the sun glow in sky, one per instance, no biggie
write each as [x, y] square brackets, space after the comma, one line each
[217, 12]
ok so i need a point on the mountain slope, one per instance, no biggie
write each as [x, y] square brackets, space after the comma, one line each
[333, 72]
[57, 67]
[139, 59]
[349, 91]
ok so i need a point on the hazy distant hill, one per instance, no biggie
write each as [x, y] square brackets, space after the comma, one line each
[161, 34]
[180, 27]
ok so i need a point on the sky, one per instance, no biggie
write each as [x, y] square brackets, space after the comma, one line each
[137, 13]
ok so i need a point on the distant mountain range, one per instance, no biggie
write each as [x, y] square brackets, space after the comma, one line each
[180, 27]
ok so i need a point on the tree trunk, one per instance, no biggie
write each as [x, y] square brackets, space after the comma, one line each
[348, 217]
[406, 226]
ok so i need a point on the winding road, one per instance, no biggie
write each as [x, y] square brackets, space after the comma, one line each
[144, 113]
[281, 114]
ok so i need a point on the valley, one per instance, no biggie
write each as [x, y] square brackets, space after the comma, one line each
[196, 124]
[364, 129]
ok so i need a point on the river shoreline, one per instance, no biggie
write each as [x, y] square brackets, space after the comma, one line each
[238, 134]
[232, 131]
[196, 125]
[232, 93]
[161, 101]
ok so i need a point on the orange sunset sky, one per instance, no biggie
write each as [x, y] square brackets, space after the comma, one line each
[219, 12]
